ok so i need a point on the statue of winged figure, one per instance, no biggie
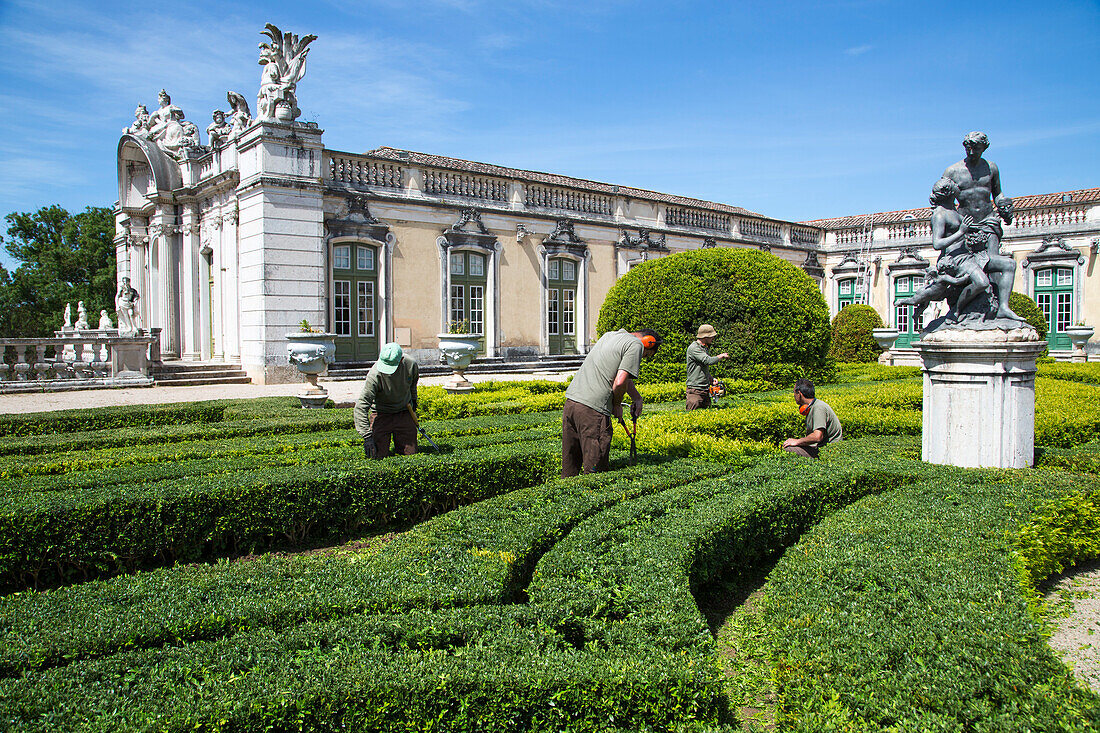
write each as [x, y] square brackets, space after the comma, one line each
[284, 62]
[241, 117]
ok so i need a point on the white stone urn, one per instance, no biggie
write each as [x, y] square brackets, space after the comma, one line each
[312, 352]
[1079, 336]
[885, 338]
[458, 350]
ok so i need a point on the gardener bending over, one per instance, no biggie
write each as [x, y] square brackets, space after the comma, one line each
[383, 408]
[698, 367]
[822, 425]
[595, 396]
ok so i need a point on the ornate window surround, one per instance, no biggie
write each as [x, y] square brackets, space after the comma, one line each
[847, 268]
[909, 263]
[469, 234]
[564, 242]
[1055, 252]
[358, 226]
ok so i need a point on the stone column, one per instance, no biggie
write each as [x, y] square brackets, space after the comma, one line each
[190, 296]
[979, 398]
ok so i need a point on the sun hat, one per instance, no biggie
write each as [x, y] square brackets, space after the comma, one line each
[388, 358]
[706, 331]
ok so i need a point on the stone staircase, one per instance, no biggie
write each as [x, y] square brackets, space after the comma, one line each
[346, 370]
[192, 373]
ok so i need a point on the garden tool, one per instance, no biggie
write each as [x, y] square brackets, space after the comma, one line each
[421, 430]
[633, 445]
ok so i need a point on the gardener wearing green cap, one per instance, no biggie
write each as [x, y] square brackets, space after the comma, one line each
[698, 367]
[387, 404]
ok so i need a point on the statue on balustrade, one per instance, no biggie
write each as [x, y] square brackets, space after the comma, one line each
[284, 62]
[126, 308]
[167, 127]
[81, 317]
[219, 130]
[971, 274]
[241, 116]
[68, 317]
[105, 321]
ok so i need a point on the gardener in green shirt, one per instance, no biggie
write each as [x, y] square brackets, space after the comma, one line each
[386, 405]
[595, 396]
[822, 425]
[698, 367]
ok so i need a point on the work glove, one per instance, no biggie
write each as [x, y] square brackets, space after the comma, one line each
[370, 450]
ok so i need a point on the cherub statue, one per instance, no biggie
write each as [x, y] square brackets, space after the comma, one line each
[218, 131]
[105, 321]
[241, 116]
[284, 62]
[68, 316]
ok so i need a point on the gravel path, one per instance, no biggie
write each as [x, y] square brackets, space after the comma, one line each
[1074, 602]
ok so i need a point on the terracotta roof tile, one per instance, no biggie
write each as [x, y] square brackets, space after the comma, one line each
[1034, 201]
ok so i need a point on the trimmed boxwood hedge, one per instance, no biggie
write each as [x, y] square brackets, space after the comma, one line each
[851, 335]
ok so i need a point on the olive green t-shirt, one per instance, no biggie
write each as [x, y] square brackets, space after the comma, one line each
[698, 366]
[386, 393]
[820, 415]
[619, 350]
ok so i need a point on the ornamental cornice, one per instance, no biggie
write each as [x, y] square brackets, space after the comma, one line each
[1054, 250]
[644, 240]
[468, 231]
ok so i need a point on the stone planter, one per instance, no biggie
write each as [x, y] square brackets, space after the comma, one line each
[312, 353]
[1079, 336]
[458, 350]
[885, 338]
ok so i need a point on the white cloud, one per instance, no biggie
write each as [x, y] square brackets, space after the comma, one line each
[858, 50]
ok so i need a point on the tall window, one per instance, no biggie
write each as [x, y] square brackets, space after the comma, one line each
[467, 296]
[1054, 296]
[848, 292]
[906, 322]
[561, 305]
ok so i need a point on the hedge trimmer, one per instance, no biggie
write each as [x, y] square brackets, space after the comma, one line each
[633, 444]
[420, 429]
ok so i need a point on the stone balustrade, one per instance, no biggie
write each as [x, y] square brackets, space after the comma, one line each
[80, 360]
[903, 230]
[698, 218]
[762, 231]
[447, 183]
[357, 171]
[1050, 217]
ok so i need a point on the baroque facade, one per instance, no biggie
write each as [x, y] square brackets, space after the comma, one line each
[233, 244]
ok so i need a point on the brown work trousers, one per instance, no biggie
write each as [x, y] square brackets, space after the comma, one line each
[806, 451]
[399, 426]
[697, 398]
[585, 439]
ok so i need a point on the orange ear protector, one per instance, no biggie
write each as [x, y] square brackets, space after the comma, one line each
[649, 342]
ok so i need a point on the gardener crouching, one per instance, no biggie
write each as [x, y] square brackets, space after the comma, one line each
[386, 406]
[822, 424]
[699, 380]
[595, 397]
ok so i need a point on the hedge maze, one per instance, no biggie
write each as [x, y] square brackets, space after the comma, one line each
[238, 566]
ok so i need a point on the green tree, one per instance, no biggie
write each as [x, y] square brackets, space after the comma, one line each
[64, 258]
[852, 340]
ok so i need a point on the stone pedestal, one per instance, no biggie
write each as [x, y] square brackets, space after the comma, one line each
[979, 398]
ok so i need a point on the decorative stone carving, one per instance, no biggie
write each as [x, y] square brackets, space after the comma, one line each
[219, 130]
[709, 242]
[68, 322]
[126, 308]
[1053, 250]
[241, 116]
[563, 240]
[105, 321]
[812, 266]
[469, 230]
[643, 241]
[284, 62]
[167, 127]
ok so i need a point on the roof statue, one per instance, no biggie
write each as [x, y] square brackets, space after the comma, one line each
[284, 62]
[241, 116]
[166, 127]
[219, 130]
[971, 274]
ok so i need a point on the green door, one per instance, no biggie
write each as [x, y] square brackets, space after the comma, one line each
[908, 327]
[468, 292]
[354, 299]
[561, 305]
[1054, 296]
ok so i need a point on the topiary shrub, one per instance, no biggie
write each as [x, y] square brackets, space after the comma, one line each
[1028, 309]
[852, 340]
[766, 310]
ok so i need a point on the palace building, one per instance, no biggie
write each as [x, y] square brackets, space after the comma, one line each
[233, 244]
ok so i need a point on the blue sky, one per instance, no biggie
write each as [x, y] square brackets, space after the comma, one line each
[797, 110]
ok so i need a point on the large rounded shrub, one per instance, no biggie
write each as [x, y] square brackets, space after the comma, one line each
[852, 340]
[1029, 310]
[767, 311]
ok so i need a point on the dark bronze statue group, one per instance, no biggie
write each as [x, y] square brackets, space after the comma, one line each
[971, 274]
